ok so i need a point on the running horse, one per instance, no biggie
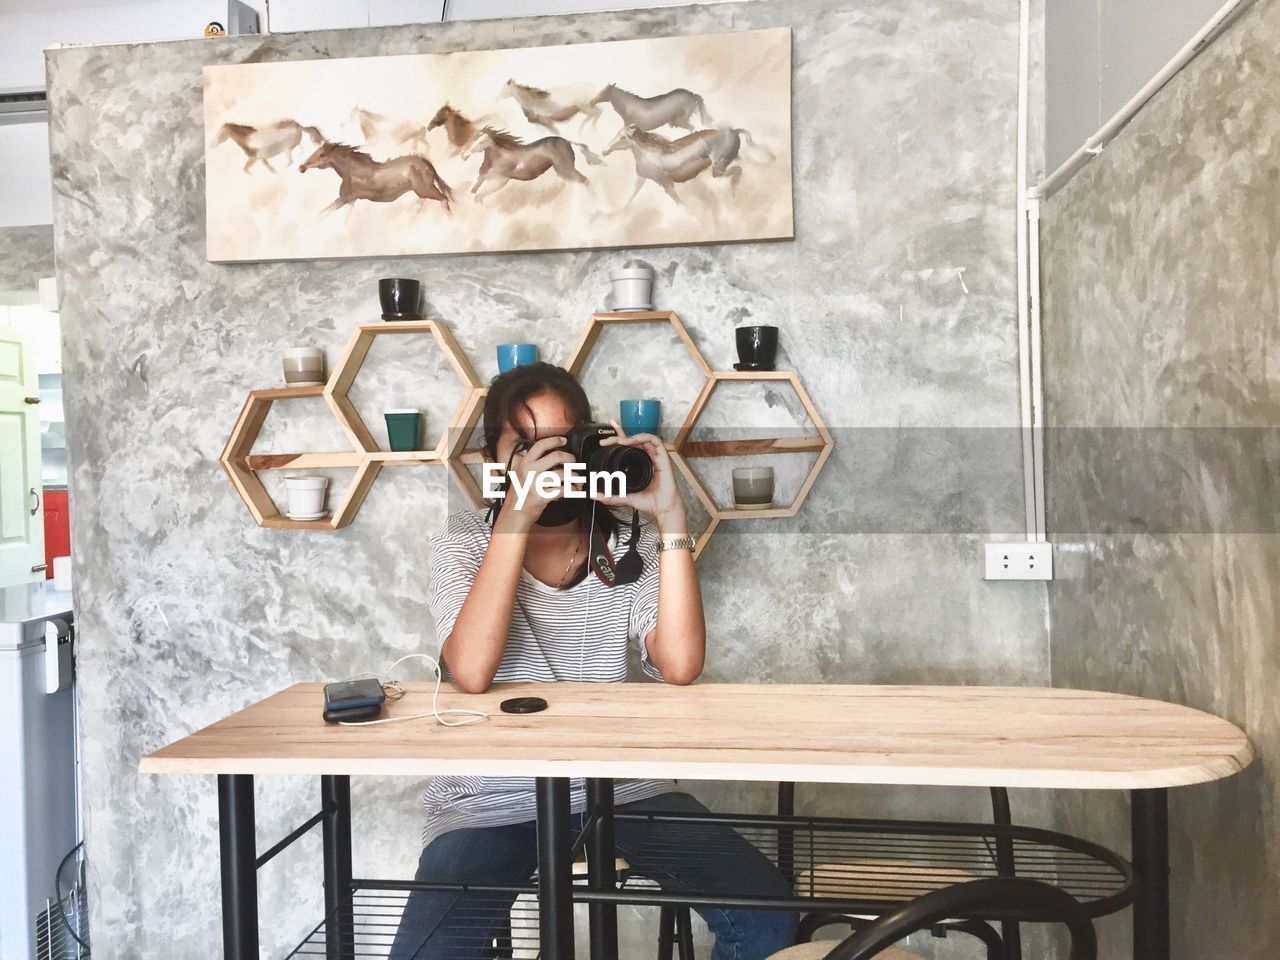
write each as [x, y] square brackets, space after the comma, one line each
[508, 158]
[364, 178]
[260, 144]
[675, 108]
[459, 128]
[546, 108]
[397, 133]
[668, 162]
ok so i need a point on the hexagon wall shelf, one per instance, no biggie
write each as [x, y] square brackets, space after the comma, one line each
[598, 322]
[339, 386]
[242, 466]
[682, 449]
[367, 459]
[819, 442]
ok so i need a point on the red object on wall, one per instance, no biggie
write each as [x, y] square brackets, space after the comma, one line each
[57, 529]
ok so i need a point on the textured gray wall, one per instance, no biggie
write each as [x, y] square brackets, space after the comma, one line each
[904, 115]
[1161, 301]
[26, 255]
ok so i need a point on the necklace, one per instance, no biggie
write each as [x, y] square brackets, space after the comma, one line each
[577, 549]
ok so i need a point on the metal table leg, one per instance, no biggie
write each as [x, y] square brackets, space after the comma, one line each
[238, 848]
[1149, 825]
[555, 869]
[335, 799]
[601, 869]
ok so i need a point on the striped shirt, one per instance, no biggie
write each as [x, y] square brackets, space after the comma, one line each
[583, 632]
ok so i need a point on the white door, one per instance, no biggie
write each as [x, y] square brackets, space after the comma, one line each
[21, 520]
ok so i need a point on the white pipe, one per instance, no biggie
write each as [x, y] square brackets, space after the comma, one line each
[1037, 382]
[1024, 345]
[1210, 32]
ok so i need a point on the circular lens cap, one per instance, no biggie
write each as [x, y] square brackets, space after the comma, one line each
[523, 705]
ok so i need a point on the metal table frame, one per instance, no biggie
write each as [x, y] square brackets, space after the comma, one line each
[556, 892]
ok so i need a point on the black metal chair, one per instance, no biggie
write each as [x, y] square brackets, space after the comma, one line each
[1007, 945]
[675, 928]
[993, 895]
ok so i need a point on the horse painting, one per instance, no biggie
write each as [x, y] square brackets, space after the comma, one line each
[674, 108]
[547, 108]
[668, 162]
[518, 148]
[508, 158]
[260, 144]
[364, 178]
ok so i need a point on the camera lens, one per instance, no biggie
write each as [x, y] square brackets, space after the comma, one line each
[633, 464]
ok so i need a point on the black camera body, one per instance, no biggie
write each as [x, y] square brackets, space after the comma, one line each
[583, 444]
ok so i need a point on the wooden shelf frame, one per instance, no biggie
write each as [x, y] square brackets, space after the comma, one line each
[367, 460]
[365, 457]
[599, 321]
[242, 467]
[337, 390]
[820, 442]
[458, 458]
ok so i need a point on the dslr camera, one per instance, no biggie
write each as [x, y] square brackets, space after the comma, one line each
[583, 444]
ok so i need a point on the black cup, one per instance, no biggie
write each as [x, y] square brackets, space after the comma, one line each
[757, 347]
[400, 297]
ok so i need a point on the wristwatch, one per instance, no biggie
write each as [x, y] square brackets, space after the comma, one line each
[676, 543]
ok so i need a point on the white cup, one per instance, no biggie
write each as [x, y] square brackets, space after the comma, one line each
[753, 488]
[303, 366]
[632, 288]
[306, 496]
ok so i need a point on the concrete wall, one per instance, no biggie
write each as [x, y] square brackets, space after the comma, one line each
[1162, 299]
[1101, 52]
[26, 255]
[896, 302]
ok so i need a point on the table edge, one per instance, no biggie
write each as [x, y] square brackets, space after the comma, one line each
[1217, 768]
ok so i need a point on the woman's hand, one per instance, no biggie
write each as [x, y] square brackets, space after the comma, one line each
[661, 498]
[543, 456]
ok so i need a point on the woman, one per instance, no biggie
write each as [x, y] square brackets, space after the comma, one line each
[514, 598]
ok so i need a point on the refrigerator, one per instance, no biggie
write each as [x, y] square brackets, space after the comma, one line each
[39, 810]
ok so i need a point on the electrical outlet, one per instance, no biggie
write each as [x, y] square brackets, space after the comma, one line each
[1019, 561]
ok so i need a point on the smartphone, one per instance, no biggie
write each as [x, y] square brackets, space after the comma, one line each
[353, 695]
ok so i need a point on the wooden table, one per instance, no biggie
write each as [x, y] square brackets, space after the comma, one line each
[935, 736]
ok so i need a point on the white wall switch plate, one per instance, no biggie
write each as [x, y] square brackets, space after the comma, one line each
[1019, 561]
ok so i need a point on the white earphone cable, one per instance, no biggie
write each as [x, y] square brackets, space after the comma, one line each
[394, 691]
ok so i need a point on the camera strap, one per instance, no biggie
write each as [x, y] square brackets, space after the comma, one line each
[608, 571]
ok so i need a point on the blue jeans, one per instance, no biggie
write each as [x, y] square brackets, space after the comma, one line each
[446, 925]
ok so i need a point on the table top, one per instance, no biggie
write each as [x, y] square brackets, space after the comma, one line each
[926, 735]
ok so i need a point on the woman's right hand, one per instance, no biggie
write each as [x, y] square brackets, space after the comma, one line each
[543, 456]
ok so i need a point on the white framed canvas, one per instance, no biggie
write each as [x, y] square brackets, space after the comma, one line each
[627, 143]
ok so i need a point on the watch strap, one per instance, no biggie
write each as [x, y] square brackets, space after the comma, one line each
[676, 543]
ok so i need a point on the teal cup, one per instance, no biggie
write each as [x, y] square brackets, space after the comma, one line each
[640, 416]
[404, 428]
[516, 355]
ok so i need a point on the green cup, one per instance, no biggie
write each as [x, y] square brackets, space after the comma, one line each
[404, 427]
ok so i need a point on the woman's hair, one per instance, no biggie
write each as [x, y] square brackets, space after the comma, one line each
[510, 393]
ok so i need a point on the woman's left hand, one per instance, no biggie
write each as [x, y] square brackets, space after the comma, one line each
[661, 498]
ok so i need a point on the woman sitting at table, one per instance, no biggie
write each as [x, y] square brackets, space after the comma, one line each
[515, 599]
